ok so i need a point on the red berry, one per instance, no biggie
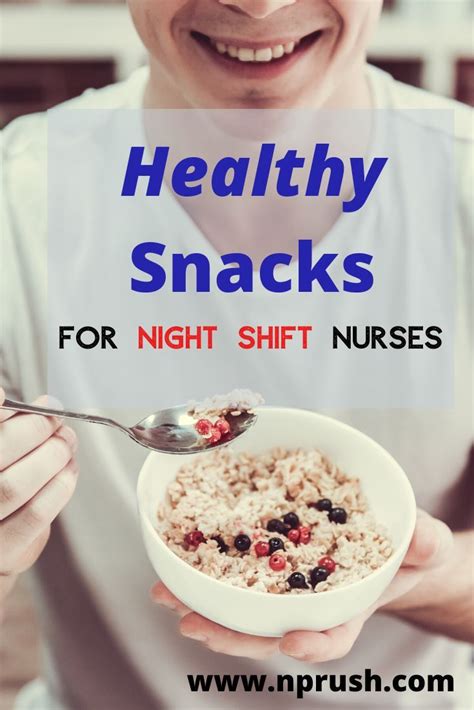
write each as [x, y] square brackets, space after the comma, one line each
[203, 427]
[223, 426]
[262, 549]
[305, 535]
[328, 563]
[215, 435]
[194, 538]
[293, 535]
[277, 562]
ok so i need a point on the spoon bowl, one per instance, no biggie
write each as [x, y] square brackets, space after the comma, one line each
[172, 431]
[169, 431]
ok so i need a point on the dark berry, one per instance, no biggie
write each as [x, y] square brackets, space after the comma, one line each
[275, 544]
[194, 538]
[277, 526]
[293, 535]
[242, 543]
[317, 575]
[323, 504]
[277, 563]
[338, 515]
[221, 544]
[203, 427]
[305, 535]
[297, 581]
[328, 563]
[262, 549]
[291, 519]
[223, 426]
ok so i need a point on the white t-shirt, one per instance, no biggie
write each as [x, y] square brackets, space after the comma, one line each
[106, 645]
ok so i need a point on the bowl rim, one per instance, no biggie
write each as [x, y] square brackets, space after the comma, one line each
[353, 586]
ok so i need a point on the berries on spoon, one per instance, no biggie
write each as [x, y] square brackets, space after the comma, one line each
[317, 575]
[291, 519]
[242, 543]
[204, 427]
[328, 563]
[194, 538]
[223, 426]
[275, 544]
[262, 549]
[277, 563]
[215, 435]
[338, 515]
[296, 580]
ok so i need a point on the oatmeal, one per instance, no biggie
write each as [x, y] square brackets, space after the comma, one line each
[235, 402]
[285, 521]
[212, 413]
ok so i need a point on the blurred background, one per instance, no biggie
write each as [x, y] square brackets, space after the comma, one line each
[52, 50]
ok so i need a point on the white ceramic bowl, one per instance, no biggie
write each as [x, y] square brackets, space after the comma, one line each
[384, 483]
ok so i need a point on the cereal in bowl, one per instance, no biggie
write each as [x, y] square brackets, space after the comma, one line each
[285, 521]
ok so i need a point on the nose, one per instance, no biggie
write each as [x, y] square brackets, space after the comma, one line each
[258, 9]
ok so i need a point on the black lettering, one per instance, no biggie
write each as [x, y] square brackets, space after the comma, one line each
[414, 337]
[434, 341]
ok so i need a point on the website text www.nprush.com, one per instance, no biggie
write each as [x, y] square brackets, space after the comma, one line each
[302, 684]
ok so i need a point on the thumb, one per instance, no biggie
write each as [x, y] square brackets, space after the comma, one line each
[431, 542]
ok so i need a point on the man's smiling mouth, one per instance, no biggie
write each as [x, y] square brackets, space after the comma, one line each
[244, 51]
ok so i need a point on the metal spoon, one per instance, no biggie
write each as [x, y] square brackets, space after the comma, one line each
[170, 431]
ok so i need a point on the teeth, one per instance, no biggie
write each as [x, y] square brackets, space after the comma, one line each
[263, 55]
[245, 54]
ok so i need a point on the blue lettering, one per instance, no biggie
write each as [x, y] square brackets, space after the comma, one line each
[136, 169]
[267, 273]
[186, 171]
[352, 266]
[363, 185]
[317, 272]
[237, 278]
[141, 261]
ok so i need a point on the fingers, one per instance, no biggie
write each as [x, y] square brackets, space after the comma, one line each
[22, 480]
[303, 645]
[22, 434]
[215, 637]
[431, 543]
[20, 532]
[221, 640]
[317, 647]
[162, 596]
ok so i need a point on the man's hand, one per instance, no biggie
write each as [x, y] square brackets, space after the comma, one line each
[38, 475]
[430, 550]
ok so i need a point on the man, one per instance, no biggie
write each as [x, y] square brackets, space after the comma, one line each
[106, 646]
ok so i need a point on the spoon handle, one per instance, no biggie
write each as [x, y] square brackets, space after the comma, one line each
[48, 411]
